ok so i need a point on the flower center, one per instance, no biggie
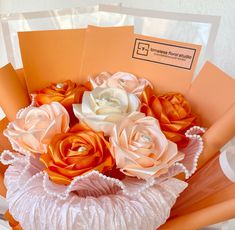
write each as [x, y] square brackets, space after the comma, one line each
[145, 138]
[59, 85]
[108, 101]
[81, 149]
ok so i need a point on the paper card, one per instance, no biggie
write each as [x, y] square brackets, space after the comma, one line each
[169, 65]
[211, 94]
[107, 49]
[21, 75]
[51, 56]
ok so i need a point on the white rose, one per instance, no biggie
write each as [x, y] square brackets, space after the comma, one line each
[102, 108]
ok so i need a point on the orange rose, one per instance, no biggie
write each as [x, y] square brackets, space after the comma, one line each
[173, 112]
[67, 93]
[75, 153]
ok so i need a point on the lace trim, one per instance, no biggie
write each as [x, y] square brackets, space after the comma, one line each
[129, 186]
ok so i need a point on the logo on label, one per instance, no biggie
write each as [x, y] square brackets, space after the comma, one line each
[163, 53]
[143, 48]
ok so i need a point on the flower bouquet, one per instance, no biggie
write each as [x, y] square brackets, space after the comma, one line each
[103, 154]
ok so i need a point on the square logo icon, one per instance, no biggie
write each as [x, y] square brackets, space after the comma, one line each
[143, 49]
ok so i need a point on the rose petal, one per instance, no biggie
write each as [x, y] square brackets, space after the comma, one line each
[140, 148]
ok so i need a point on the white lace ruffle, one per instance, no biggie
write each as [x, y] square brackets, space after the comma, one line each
[95, 183]
[36, 209]
[192, 151]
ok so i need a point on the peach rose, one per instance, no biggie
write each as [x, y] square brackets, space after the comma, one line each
[140, 149]
[102, 108]
[126, 81]
[173, 112]
[34, 127]
[76, 153]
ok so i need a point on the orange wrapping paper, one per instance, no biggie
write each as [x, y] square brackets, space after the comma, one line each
[64, 60]
[211, 94]
[13, 95]
[59, 52]
[217, 135]
[2, 186]
[114, 49]
[204, 217]
[14, 224]
[223, 195]
[203, 184]
[106, 50]
[211, 209]
[4, 144]
[21, 75]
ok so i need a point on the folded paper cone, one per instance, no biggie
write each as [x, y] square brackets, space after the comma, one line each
[2, 186]
[14, 224]
[218, 135]
[204, 217]
[216, 198]
[13, 96]
[216, 175]
[4, 144]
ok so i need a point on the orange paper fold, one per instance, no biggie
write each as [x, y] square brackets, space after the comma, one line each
[218, 135]
[13, 95]
[51, 56]
[204, 217]
[207, 181]
[14, 224]
[211, 94]
[216, 198]
[107, 49]
[21, 75]
[4, 144]
[214, 139]
[2, 186]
